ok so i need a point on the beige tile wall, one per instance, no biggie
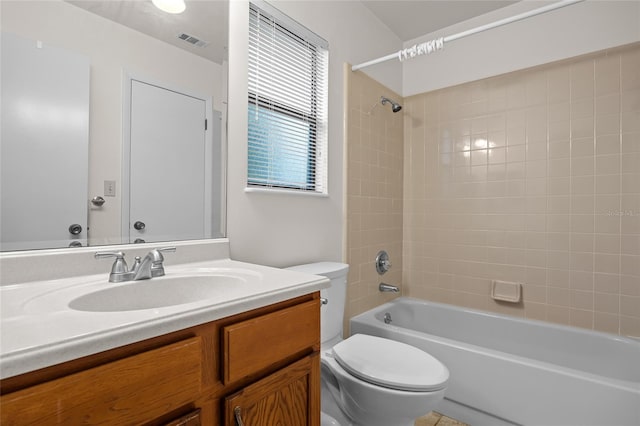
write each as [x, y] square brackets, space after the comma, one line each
[533, 177]
[374, 191]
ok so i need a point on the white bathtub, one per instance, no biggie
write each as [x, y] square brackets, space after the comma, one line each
[510, 370]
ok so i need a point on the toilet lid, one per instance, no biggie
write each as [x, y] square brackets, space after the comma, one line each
[390, 363]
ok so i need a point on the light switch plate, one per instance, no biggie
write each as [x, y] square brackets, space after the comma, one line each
[109, 188]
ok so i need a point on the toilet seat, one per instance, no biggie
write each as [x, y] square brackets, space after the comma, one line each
[390, 364]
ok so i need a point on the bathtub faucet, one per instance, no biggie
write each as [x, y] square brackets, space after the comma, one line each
[388, 288]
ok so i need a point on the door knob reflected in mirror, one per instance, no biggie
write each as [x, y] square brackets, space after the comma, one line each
[97, 201]
[139, 225]
[75, 229]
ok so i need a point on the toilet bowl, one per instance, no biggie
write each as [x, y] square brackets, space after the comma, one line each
[383, 382]
[369, 380]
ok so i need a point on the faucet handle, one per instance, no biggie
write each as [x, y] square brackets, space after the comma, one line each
[167, 249]
[383, 263]
[157, 256]
[119, 266]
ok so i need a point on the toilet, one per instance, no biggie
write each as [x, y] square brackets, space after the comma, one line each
[369, 380]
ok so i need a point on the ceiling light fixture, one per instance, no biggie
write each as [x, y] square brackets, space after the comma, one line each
[170, 6]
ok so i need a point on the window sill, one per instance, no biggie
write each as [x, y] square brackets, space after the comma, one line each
[280, 191]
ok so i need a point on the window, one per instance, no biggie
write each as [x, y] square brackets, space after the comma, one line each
[286, 104]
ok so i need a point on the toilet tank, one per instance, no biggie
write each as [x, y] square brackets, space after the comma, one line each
[331, 314]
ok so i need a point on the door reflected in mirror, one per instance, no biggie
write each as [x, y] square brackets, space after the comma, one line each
[45, 145]
[174, 140]
[151, 156]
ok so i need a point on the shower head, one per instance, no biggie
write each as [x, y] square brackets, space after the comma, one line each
[395, 107]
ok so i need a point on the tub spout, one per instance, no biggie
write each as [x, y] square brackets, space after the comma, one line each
[388, 288]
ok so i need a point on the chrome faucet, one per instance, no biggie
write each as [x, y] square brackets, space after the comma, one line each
[388, 288]
[142, 269]
[154, 262]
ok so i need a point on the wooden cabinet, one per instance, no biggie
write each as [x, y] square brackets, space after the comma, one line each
[285, 333]
[265, 361]
[191, 419]
[129, 390]
[286, 397]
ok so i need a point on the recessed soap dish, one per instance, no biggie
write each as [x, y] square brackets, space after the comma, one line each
[506, 291]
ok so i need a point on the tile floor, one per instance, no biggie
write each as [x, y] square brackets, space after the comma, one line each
[437, 419]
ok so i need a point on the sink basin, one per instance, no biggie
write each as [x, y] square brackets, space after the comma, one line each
[156, 293]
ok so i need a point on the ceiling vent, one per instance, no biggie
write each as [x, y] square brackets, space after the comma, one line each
[193, 40]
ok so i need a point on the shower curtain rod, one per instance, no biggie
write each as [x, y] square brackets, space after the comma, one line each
[438, 44]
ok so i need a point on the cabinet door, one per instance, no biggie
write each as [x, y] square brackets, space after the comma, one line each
[288, 397]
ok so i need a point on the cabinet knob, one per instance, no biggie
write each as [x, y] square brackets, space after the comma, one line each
[139, 225]
[238, 414]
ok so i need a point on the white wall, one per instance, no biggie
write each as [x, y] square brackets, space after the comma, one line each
[281, 230]
[112, 48]
[567, 32]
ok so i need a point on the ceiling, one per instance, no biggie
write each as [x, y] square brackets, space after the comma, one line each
[207, 20]
[411, 19]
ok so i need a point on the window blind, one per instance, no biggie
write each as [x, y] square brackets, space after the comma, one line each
[287, 104]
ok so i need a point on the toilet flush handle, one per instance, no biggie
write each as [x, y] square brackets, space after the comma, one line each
[324, 301]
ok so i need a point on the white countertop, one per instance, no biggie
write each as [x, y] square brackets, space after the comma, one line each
[38, 329]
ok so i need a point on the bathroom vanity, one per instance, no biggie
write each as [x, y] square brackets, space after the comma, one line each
[248, 356]
[260, 363]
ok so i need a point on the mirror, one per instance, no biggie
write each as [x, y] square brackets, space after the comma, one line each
[113, 123]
